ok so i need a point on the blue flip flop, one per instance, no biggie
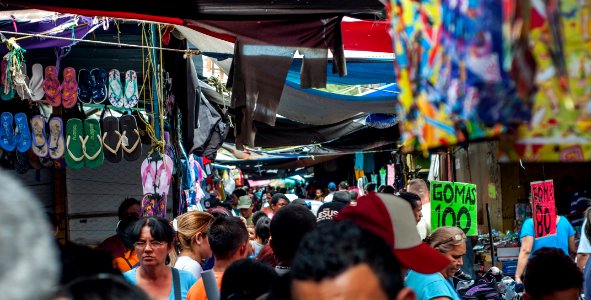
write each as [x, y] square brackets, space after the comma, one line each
[7, 140]
[22, 132]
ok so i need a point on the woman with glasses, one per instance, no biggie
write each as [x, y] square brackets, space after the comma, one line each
[153, 240]
[451, 242]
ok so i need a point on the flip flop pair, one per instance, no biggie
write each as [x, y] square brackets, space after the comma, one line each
[92, 86]
[52, 87]
[83, 144]
[18, 137]
[131, 95]
[121, 139]
[44, 145]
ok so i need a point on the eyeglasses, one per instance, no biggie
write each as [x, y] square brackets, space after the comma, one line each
[155, 244]
[457, 238]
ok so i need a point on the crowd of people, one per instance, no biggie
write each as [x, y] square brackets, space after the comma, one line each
[374, 246]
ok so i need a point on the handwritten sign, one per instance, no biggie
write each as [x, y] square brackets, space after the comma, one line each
[454, 204]
[544, 208]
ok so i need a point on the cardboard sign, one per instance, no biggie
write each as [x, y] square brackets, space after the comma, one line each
[454, 204]
[543, 208]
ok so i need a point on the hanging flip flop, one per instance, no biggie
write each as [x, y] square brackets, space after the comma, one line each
[56, 138]
[84, 86]
[22, 133]
[130, 95]
[69, 88]
[39, 142]
[130, 138]
[52, 87]
[98, 80]
[36, 83]
[8, 91]
[115, 88]
[91, 144]
[74, 144]
[112, 139]
[7, 139]
[21, 82]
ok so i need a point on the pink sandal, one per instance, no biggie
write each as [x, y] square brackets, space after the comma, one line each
[69, 88]
[52, 87]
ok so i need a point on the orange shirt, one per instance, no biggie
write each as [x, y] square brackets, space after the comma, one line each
[197, 291]
[123, 263]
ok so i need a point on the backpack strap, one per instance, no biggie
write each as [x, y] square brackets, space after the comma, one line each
[128, 263]
[176, 284]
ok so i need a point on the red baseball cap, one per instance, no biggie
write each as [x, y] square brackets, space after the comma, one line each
[392, 218]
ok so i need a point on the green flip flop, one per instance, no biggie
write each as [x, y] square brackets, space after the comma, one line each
[74, 144]
[92, 146]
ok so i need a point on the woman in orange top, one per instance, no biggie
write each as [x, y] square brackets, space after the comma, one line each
[129, 259]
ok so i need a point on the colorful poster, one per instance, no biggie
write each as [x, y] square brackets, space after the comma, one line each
[454, 204]
[560, 126]
[544, 208]
[449, 59]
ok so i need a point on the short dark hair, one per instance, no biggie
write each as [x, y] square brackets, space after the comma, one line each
[277, 196]
[344, 185]
[125, 231]
[342, 196]
[239, 193]
[257, 216]
[354, 195]
[411, 198]
[247, 279]
[388, 189]
[283, 190]
[160, 229]
[288, 227]
[262, 229]
[127, 203]
[226, 235]
[102, 286]
[334, 247]
[370, 187]
[548, 271]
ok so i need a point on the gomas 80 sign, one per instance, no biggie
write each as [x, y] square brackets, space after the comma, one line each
[454, 204]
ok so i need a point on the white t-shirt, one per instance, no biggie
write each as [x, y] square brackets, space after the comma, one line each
[584, 246]
[328, 197]
[188, 264]
[424, 225]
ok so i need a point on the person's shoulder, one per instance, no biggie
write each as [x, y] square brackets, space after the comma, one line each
[187, 276]
[424, 279]
[130, 275]
[197, 290]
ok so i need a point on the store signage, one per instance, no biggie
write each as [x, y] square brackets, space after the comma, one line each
[544, 208]
[454, 204]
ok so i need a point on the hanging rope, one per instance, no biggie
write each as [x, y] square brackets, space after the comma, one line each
[73, 39]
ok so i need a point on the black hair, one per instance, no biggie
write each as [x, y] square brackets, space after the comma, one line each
[102, 287]
[370, 187]
[277, 196]
[125, 230]
[160, 229]
[342, 196]
[127, 203]
[262, 229]
[288, 227]
[388, 189]
[334, 247]
[226, 235]
[247, 279]
[411, 198]
[548, 271]
[283, 190]
[344, 185]
[239, 193]
[354, 195]
[258, 215]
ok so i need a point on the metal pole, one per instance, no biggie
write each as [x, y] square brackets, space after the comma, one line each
[155, 108]
[490, 235]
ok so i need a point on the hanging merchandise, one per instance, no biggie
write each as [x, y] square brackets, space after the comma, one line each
[237, 173]
[449, 57]
[391, 174]
[374, 178]
[156, 178]
[383, 175]
[228, 181]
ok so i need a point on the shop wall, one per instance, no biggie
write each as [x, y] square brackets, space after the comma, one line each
[477, 163]
[516, 180]
[38, 182]
[93, 197]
